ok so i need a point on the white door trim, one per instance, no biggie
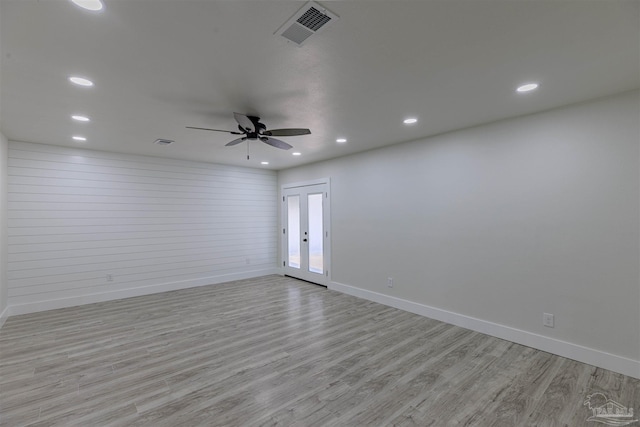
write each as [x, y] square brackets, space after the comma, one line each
[319, 181]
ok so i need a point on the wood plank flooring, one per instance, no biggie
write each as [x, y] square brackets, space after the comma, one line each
[275, 351]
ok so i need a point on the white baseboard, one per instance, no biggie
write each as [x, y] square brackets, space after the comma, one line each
[32, 307]
[4, 315]
[587, 355]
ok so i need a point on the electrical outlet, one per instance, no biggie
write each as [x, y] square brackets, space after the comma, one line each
[109, 278]
[547, 320]
[390, 282]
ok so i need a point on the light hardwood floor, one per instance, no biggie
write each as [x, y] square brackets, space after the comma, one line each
[278, 351]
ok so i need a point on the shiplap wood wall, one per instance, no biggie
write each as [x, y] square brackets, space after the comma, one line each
[76, 216]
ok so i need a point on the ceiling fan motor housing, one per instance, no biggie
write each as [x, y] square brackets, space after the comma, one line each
[259, 127]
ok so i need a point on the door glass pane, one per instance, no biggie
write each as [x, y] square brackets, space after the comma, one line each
[293, 226]
[316, 264]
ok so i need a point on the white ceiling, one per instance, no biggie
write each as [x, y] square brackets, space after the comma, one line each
[161, 65]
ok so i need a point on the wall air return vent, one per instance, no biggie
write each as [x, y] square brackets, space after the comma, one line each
[308, 21]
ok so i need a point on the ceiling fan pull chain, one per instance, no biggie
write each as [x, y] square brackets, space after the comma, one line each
[248, 143]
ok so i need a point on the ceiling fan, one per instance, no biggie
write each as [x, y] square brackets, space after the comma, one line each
[252, 129]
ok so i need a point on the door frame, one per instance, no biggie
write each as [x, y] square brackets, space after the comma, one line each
[325, 278]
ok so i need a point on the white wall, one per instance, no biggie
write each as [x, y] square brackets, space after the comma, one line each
[3, 229]
[492, 226]
[76, 216]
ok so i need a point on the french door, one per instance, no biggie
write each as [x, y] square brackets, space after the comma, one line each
[305, 232]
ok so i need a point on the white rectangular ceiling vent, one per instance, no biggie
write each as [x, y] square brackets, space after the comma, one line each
[162, 141]
[309, 20]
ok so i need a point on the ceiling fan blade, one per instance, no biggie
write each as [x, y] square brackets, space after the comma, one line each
[235, 142]
[245, 122]
[287, 132]
[215, 130]
[275, 143]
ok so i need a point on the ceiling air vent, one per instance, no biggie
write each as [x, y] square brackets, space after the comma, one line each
[163, 141]
[309, 20]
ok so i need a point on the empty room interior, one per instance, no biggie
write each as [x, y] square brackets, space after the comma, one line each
[340, 213]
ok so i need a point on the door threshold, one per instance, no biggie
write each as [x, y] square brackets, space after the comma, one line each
[308, 281]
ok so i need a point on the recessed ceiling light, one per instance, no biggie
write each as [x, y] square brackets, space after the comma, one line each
[80, 118]
[80, 81]
[79, 138]
[264, 163]
[527, 87]
[93, 5]
[410, 121]
[296, 154]
[341, 140]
